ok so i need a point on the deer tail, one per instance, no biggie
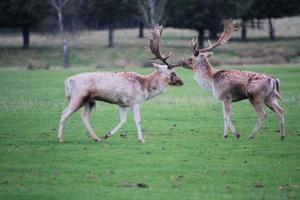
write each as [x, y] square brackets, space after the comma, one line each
[276, 89]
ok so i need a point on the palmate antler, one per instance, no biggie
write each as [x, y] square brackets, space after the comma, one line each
[229, 27]
[154, 45]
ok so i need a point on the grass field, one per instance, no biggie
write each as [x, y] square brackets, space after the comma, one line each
[184, 156]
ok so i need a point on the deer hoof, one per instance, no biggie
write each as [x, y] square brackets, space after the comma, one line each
[238, 136]
[60, 140]
[141, 140]
[106, 136]
[251, 137]
[97, 139]
[225, 136]
[282, 137]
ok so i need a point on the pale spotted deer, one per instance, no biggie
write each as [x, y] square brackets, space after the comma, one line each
[125, 89]
[232, 85]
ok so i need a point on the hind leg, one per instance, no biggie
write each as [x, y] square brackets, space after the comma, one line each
[272, 103]
[261, 115]
[85, 116]
[73, 106]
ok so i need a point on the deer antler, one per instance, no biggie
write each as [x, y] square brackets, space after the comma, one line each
[229, 27]
[194, 47]
[154, 45]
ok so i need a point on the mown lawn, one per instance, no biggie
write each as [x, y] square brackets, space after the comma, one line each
[184, 156]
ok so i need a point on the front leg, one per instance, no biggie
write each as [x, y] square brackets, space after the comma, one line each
[227, 108]
[137, 121]
[123, 119]
[225, 134]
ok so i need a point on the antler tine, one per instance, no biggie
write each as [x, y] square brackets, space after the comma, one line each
[179, 64]
[147, 49]
[229, 27]
[194, 48]
[154, 45]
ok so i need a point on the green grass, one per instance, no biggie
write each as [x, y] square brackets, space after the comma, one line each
[184, 156]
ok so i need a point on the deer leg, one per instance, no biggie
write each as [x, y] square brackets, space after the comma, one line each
[123, 119]
[73, 106]
[137, 120]
[227, 120]
[261, 115]
[225, 134]
[85, 116]
[274, 106]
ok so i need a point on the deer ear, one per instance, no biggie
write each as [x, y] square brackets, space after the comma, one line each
[158, 67]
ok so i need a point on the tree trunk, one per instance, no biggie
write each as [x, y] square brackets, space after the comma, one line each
[110, 36]
[26, 36]
[64, 40]
[141, 30]
[66, 53]
[201, 37]
[244, 31]
[252, 24]
[258, 24]
[271, 29]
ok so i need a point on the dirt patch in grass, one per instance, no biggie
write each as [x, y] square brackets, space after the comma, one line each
[133, 185]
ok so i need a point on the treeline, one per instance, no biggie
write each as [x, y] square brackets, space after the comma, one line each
[201, 15]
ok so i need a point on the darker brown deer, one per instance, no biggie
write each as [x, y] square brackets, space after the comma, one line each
[232, 85]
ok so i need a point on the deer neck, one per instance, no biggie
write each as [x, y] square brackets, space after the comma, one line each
[203, 74]
[153, 85]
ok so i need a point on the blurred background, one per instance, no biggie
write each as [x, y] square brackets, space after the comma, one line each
[112, 33]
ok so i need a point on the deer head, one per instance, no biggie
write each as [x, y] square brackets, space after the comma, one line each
[167, 69]
[201, 55]
[169, 75]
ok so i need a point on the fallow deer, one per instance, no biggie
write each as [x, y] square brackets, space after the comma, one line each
[125, 89]
[232, 85]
